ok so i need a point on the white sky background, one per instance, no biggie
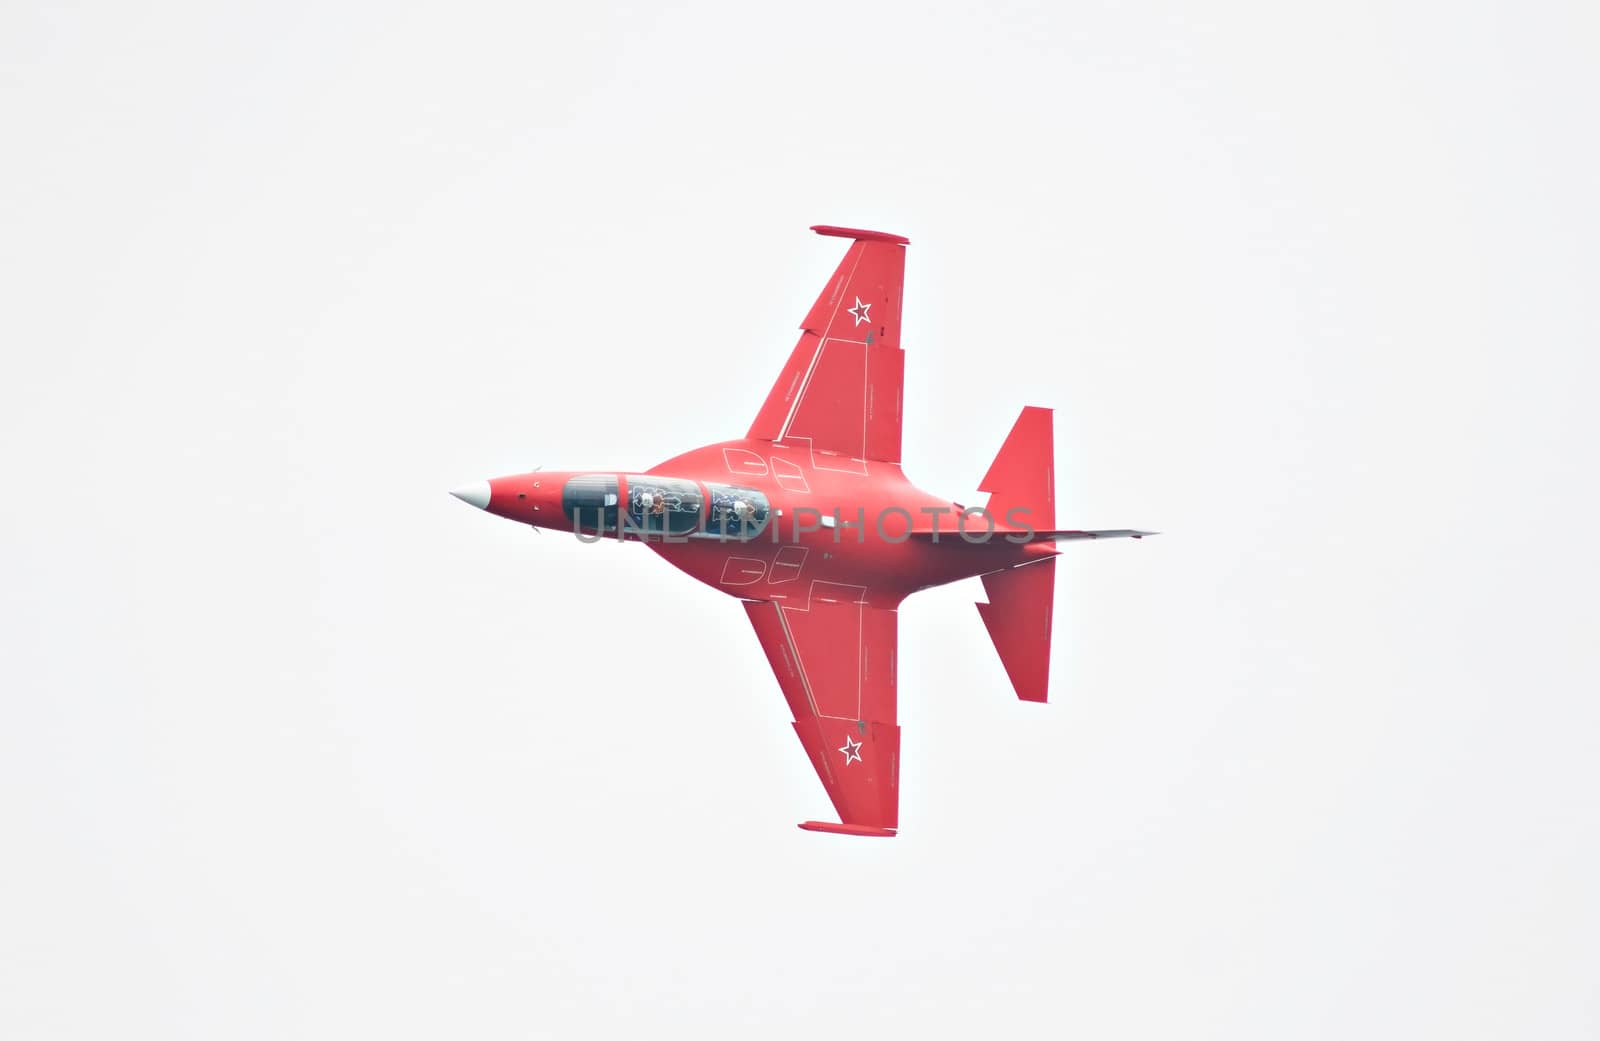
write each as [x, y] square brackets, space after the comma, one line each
[295, 745]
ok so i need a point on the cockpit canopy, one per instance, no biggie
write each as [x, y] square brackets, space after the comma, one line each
[737, 513]
[663, 506]
[590, 502]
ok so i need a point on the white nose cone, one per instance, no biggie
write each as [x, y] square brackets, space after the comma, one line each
[476, 494]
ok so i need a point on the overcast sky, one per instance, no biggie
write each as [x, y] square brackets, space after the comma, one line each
[293, 744]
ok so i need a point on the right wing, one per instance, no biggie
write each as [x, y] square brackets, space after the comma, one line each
[835, 662]
[841, 387]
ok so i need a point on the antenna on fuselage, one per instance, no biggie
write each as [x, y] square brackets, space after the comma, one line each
[536, 469]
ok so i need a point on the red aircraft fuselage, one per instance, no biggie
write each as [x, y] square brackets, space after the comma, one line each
[879, 533]
[809, 520]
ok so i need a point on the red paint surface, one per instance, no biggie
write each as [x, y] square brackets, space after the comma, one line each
[822, 601]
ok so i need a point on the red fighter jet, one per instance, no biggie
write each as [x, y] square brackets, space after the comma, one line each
[810, 522]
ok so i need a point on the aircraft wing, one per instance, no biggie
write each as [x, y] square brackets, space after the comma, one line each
[841, 388]
[835, 662]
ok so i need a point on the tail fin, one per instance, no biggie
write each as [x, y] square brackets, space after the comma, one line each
[1106, 533]
[1018, 617]
[1022, 477]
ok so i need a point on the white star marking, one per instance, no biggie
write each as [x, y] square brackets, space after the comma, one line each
[858, 312]
[851, 750]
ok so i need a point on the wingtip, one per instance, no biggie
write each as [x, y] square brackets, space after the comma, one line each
[865, 830]
[860, 233]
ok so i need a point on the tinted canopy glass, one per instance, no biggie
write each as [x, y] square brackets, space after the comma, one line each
[663, 505]
[736, 513]
[590, 502]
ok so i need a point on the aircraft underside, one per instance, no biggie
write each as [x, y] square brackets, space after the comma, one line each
[809, 521]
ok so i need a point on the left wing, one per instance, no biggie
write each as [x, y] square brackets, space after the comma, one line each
[841, 388]
[835, 661]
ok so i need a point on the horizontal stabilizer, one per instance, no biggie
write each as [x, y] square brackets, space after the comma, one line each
[1109, 533]
[1021, 480]
[1018, 616]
